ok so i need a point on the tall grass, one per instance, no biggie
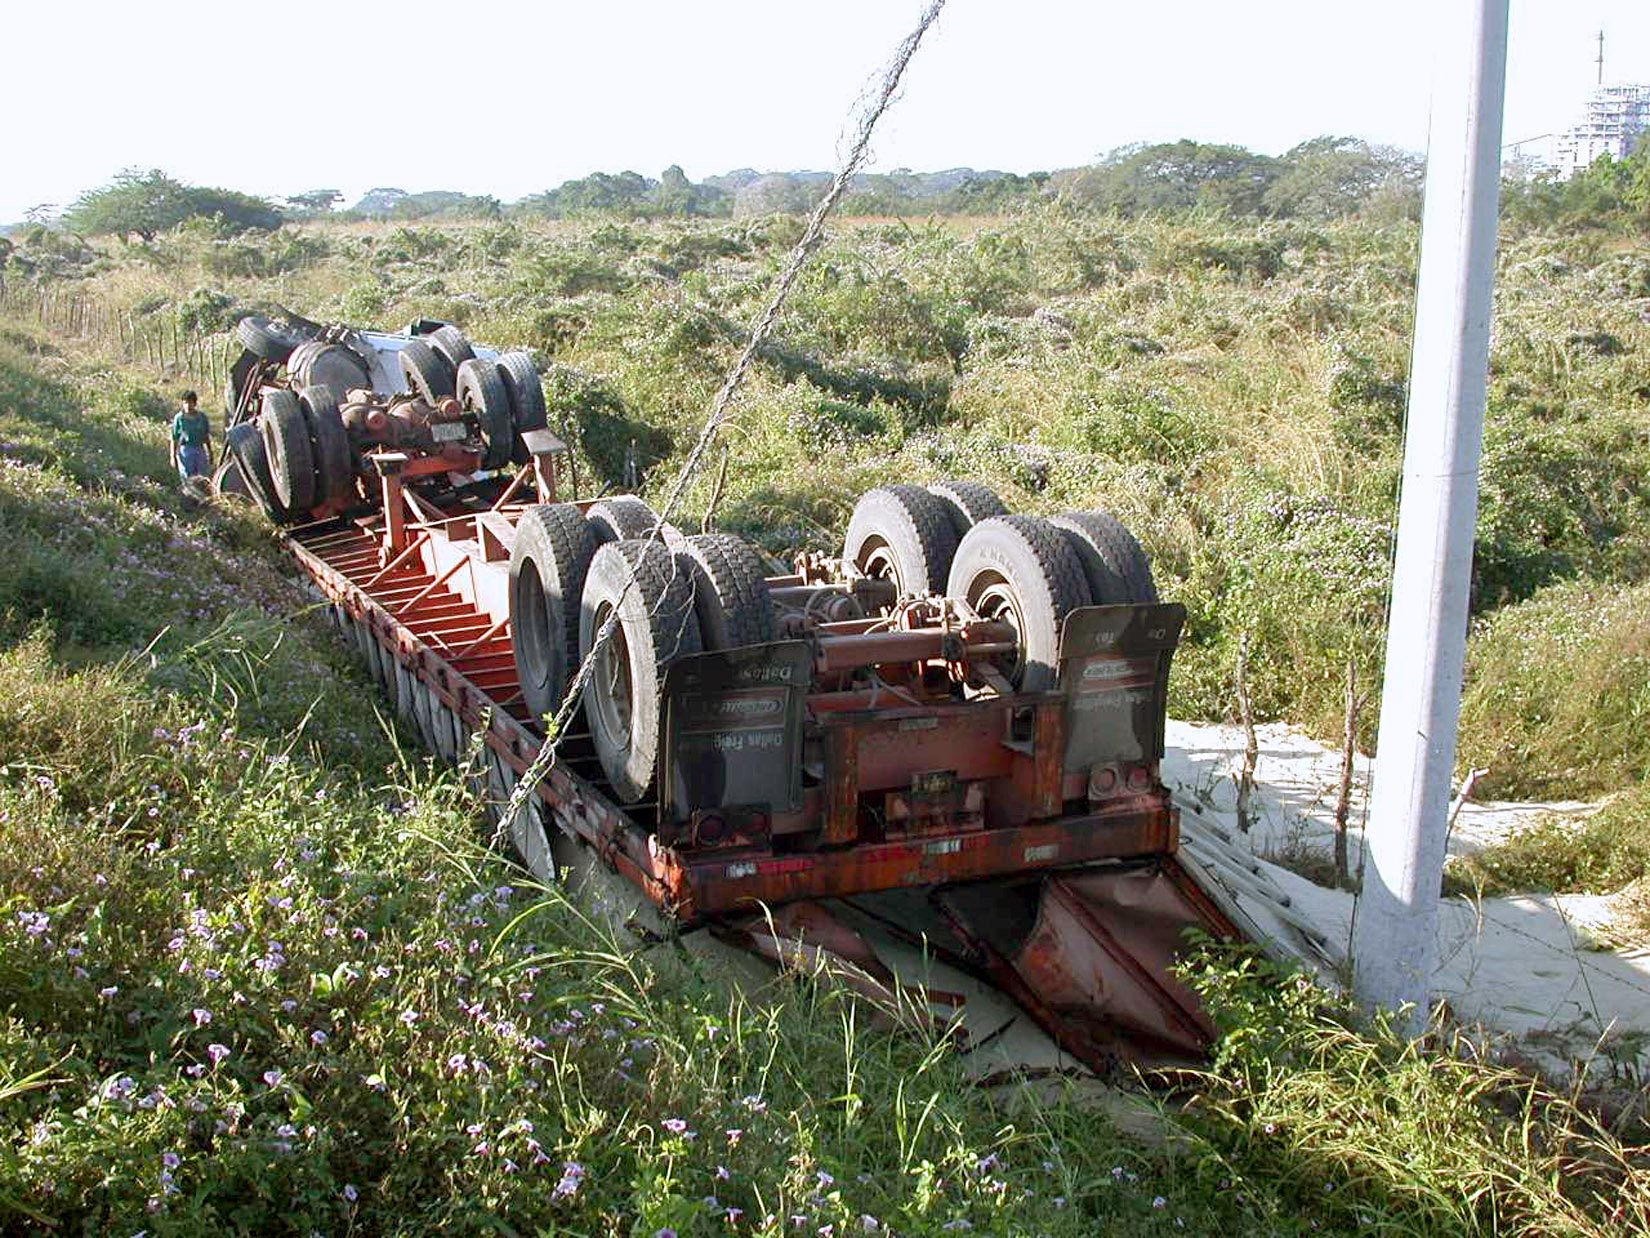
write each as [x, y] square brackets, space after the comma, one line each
[257, 972]
[279, 986]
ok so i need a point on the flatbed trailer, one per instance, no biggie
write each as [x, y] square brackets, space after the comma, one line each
[972, 762]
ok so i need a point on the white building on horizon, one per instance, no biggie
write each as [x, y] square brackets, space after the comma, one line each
[1616, 118]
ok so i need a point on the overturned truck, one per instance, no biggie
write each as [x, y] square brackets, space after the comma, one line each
[953, 724]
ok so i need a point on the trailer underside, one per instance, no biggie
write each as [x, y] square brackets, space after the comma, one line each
[1077, 918]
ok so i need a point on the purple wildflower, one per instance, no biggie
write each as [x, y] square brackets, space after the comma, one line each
[572, 1175]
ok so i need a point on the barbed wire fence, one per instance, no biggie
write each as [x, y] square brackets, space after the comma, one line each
[173, 349]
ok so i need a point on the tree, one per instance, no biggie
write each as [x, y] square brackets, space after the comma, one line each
[1328, 177]
[315, 201]
[781, 193]
[1183, 175]
[378, 201]
[140, 204]
[145, 204]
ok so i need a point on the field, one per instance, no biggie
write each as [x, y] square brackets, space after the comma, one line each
[255, 951]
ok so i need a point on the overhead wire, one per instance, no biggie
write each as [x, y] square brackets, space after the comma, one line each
[870, 110]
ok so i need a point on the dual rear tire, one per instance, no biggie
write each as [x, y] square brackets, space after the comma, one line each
[957, 538]
[571, 574]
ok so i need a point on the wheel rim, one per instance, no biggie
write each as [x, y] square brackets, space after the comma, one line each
[611, 680]
[877, 562]
[996, 601]
[534, 612]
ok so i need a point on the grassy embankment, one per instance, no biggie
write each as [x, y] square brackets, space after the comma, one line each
[259, 975]
[1234, 391]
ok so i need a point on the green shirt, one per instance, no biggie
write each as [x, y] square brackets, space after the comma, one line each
[190, 431]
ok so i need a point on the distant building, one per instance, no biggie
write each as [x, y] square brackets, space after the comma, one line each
[1617, 116]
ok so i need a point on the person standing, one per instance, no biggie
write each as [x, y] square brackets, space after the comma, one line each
[191, 439]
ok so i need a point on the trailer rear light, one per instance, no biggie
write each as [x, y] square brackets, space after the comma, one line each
[1105, 780]
[1139, 778]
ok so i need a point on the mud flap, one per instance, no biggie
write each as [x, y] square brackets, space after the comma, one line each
[732, 750]
[1114, 672]
[1089, 953]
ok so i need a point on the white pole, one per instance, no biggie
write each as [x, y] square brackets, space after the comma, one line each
[1396, 948]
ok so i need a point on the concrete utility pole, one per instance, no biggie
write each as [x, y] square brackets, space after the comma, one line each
[1396, 946]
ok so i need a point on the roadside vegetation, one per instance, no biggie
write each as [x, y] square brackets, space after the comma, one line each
[259, 973]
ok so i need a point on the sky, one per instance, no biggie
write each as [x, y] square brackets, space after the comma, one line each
[511, 99]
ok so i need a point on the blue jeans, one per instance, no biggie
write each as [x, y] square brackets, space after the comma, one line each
[193, 461]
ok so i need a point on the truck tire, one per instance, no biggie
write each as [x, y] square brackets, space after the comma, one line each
[228, 482]
[527, 407]
[730, 590]
[235, 386]
[263, 337]
[246, 445]
[298, 361]
[548, 564]
[450, 343]
[334, 476]
[317, 364]
[1022, 571]
[482, 393]
[291, 458]
[642, 585]
[1117, 569]
[428, 375]
[521, 379]
[967, 503]
[621, 518]
[903, 534]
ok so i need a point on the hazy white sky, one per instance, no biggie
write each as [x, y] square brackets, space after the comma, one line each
[510, 99]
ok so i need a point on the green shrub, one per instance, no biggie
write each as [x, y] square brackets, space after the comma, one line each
[1603, 852]
[1356, 1126]
[1558, 693]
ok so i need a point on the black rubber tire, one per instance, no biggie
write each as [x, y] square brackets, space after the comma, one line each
[527, 406]
[482, 393]
[449, 341]
[521, 379]
[624, 696]
[1117, 569]
[554, 546]
[291, 458]
[1021, 569]
[235, 384]
[263, 337]
[621, 518]
[335, 478]
[327, 365]
[246, 445]
[428, 374]
[967, 503]
[730, 590]
[902, 533]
